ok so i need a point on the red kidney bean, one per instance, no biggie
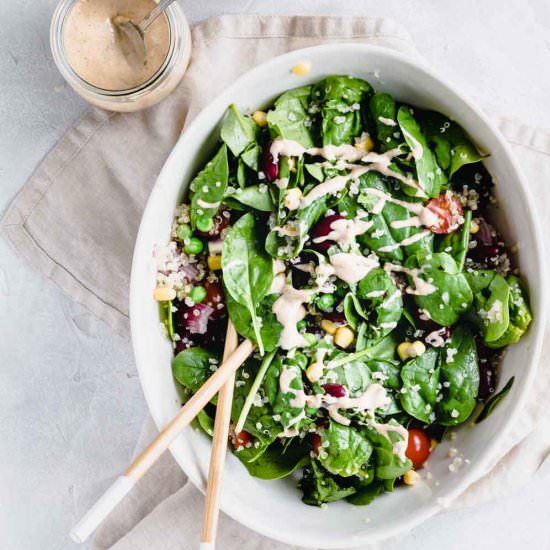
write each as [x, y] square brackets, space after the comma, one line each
[322, 229]
[336, 390]
[269, 166]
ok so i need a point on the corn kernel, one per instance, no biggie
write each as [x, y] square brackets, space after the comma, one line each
[214, 263]
[474, 227]
[314, 372]
[411, 477]
[260, 118]
[365, 145]
[328, 326]
[164, 294]
[433, 443]
[408, 350]
[292, 198]
[302, 69]
[343, 337]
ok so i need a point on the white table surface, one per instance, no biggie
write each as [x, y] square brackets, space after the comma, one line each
[70, 402]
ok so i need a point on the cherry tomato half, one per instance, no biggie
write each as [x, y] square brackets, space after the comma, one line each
[242, 439]
[418, 448]
[449, 213]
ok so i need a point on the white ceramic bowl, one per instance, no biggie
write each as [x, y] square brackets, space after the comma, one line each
[274, 508]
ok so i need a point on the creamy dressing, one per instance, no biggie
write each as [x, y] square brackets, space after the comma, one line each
[351, 267]
[387, 121]
[374, 397]
[378, 162]
[425, 216]
[414, 221]
[92, 43]
[405, 242]
[333, 185]
[344, 231]
[421, 287]
[289, 310]
[205, 204]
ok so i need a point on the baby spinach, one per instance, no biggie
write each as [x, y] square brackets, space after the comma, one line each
[388, 465]
[247, 269]
[270, 329]
[278, 461]
[290, 119]
[208, 187]
[347, 451]
[254, 196]
[459, 377]
[490, 309]
[420, 385]
[452, 296]
[452, 147]
[339, 100]
[383, 112]
[193, 366]
[366, 495]
[430, 176]
[206, 423]
[383, 299]
[490, 406]
[519, 315]
[319, 487]
[238, 131]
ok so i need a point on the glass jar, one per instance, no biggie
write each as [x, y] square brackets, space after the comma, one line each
[150, 92]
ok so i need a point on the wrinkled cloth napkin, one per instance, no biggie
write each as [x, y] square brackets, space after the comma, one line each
[77, 217]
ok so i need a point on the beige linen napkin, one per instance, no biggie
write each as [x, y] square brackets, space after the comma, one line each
[77, 217]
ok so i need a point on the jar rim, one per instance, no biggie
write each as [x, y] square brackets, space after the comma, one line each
[174, 16]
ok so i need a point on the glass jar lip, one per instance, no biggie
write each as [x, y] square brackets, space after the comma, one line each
[173, 16]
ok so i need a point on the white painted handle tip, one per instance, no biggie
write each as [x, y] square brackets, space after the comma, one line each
[206, 546]
[101, 509]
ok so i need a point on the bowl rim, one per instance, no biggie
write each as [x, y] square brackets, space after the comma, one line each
[484, 462]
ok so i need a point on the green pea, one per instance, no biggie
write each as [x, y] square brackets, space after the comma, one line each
[325, 302]
[184, 232]
[301, 325]
[197, 294]
[193, 246]
[205, 224]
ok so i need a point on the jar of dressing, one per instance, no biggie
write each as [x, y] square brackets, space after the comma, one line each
[85, 49]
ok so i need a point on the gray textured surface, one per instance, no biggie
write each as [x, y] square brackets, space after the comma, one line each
[70, 402]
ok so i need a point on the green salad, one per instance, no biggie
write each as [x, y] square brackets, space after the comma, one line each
[346, 234]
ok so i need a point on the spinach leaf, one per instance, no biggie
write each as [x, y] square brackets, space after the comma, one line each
[287, 248]
[251, 196]
[383, 299]
[383, 349]
[283, 402]
[290, 119]
[270, 328]
[519, 315]
[167, 317]
[452, 147]
[247, 269]
[339, 100]
[206, 423]
[420, 386]
[430, 176]
[238, 131]
[490, 406]
[383, 111]
[459, 377]
[278, 461]
[366, 495]
[208, 187]
[452, 295]
[353, 310]
[347, 452]
[382, 237]
[387, 464]
[193, 366]
[456, 243]
[318, 486]
[490, 309]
